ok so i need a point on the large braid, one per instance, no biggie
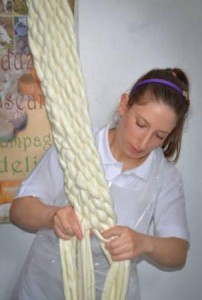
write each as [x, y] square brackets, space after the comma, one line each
[53, 45]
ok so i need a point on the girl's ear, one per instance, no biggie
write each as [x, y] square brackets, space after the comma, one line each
[123, 105]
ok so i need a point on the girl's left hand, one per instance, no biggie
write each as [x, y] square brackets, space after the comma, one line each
[126, 243]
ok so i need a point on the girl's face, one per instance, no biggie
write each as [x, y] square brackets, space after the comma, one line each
[142, 128]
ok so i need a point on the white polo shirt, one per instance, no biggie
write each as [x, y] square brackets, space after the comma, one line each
[150, 193]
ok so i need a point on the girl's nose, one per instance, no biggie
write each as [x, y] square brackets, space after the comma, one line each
[144, 142]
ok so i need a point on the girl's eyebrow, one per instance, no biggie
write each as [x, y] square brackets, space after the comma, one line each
[162, 131]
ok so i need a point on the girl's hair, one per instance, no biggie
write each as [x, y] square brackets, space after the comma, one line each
[171, 87]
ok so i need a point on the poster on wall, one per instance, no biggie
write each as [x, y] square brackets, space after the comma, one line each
[25, 132]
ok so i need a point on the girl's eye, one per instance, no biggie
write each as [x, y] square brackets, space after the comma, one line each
[140, 124]
[160, 137]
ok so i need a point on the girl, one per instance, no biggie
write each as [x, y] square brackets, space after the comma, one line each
[138, 156]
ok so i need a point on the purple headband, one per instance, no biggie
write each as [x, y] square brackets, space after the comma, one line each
[162, 81]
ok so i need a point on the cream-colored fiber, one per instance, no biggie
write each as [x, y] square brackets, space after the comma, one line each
[53, 45]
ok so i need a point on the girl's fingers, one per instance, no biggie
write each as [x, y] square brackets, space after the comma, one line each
[67, 224]
[114, 231]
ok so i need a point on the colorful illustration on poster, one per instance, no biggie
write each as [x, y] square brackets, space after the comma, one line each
[24, 127]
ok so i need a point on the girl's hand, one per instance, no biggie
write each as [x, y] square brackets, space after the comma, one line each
[126, 243]
[66, 223]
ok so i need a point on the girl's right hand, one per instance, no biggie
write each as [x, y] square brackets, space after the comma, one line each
[66, 223]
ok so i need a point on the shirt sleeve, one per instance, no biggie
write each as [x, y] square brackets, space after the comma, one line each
[46, 180]
[170, 211]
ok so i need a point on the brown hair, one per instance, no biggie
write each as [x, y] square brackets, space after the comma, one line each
[179, 102]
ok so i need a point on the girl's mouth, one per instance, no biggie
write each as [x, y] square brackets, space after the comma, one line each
[136, 151]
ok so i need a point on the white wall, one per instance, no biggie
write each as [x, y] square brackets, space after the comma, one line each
[119, 40]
